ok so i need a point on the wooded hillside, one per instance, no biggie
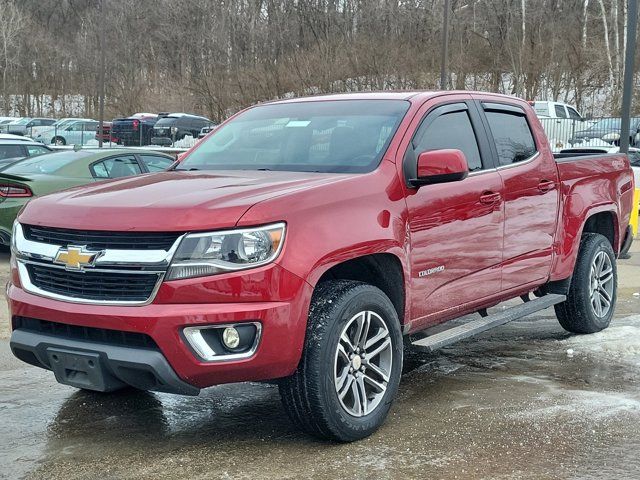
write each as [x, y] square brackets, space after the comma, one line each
[214, 57]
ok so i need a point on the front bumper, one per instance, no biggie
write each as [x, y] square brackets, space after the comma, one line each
[277, 355]
[98, 366]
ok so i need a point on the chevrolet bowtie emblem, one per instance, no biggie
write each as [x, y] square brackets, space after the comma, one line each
[76, 257]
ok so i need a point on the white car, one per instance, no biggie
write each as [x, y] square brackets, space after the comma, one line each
[73, 132]
[560, 122]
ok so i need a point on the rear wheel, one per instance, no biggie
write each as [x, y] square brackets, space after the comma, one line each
[351, 363]
[592, 295]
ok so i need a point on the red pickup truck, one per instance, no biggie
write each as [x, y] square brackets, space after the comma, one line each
[304, 241]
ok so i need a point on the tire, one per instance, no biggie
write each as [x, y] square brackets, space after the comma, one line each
[310, 396]
[58, 141]
[585, 310]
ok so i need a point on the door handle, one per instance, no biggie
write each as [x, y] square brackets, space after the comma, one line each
[488, 198]
[546, 185]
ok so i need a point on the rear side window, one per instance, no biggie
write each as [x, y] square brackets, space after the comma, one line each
[451, 130]
[513, 137]
[560, 113]
[11, 151]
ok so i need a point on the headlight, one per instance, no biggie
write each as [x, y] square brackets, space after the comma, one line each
[174, 130]
[201, 254]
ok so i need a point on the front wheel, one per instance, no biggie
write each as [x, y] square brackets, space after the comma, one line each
[60, 141]
[592, 295]
[351, 363]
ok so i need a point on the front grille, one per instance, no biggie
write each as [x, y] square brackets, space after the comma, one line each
[101, 240]
[92, 334]
[94, 285]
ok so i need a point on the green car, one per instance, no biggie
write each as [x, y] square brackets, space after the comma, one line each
[37, 176]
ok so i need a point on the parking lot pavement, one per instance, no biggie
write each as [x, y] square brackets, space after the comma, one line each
[524, 401]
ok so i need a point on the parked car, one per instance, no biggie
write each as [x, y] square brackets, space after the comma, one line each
[204, 131]
[16, 138]
[32, 177]
[608, 130]
[74, 132]
[560, 122]
[302, 239]
[107, 136]
[14, 150]
[27, 126]
[134, 130]
[176, 126]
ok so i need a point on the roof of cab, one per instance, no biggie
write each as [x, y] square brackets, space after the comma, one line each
[413, 95]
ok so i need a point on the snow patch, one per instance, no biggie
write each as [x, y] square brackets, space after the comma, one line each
[621, 343]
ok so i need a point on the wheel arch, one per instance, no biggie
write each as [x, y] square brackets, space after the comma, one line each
[382, 270]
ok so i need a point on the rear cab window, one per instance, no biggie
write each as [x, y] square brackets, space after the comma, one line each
[511, 133]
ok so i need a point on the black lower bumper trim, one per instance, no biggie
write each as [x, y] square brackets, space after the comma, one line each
[98, 366]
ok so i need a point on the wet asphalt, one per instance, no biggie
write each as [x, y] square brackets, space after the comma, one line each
[524, 401]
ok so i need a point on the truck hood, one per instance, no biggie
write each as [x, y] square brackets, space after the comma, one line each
[168, 201]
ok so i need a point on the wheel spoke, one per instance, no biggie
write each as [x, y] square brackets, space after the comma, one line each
[357, 401]
[345, 338]
[364, 333]
[376, 369]
[382, 333]
[346, 386]
[343, 353]
[361, 327]
[363, 394]
[375, 384]
[342, 379]
[605, 296]
[380, 348]
[607, 278]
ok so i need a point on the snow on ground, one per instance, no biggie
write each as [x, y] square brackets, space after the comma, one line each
[186, 142]
[619, 343]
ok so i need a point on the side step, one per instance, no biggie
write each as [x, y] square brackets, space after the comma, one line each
[452, 335]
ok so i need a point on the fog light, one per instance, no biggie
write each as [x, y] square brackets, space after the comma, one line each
[231, 338]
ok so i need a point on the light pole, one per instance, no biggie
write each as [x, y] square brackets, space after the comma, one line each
[101, 52]
[445, 45]
[629, 61]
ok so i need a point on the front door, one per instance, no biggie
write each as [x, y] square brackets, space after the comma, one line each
[456, 228]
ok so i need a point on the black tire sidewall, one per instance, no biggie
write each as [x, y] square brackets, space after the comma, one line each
[363, 299]
[593, 246]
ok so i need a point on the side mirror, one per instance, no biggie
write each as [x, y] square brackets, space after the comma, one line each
[440, 166]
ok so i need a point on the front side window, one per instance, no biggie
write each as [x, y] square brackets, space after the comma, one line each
[36, 150]
[156, 163]
[573, 114]
[333, 136]
[451, 130]
[512, 136]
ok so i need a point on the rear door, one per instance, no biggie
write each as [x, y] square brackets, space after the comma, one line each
[456, 228]
[530, 194]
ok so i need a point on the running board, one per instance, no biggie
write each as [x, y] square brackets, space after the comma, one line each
[452, 335]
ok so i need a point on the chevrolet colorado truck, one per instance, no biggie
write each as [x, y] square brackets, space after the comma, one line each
[305, 240]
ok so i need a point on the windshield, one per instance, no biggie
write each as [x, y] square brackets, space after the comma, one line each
[22, 121]
[607, 123]
[339, 136]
